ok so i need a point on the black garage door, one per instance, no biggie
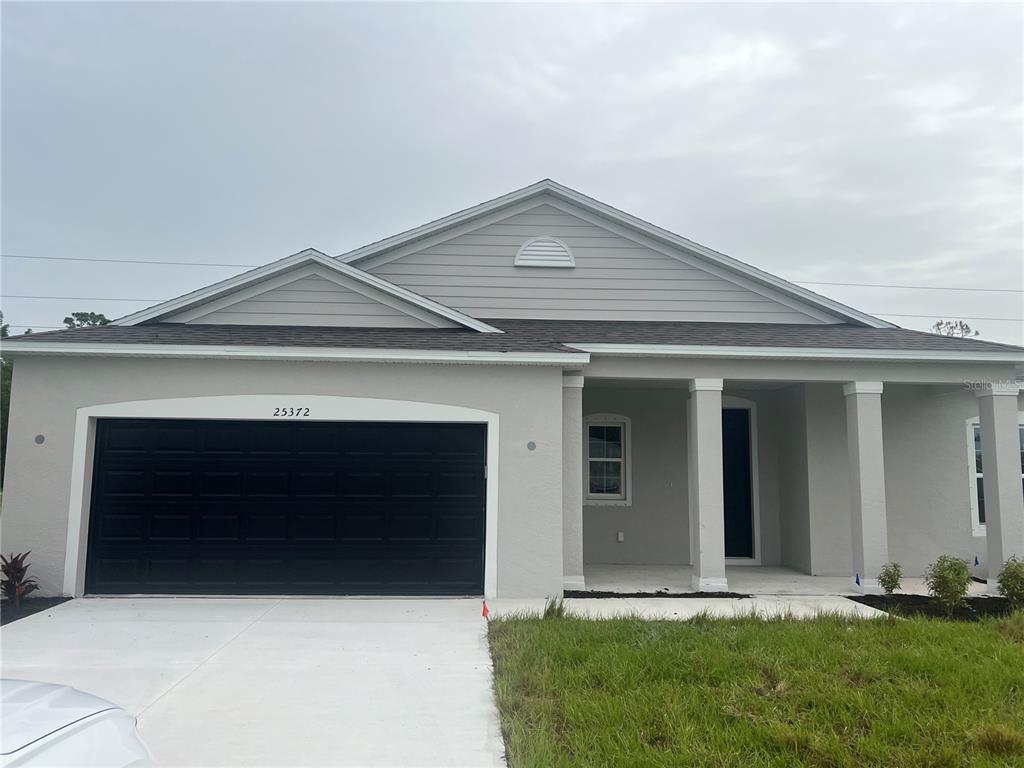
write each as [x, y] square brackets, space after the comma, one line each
[257, 507]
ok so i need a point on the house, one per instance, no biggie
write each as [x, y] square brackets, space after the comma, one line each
[495, 402]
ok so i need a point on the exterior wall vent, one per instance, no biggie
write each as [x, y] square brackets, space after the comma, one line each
[544, 252]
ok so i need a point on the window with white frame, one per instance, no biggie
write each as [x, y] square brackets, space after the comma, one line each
[607, 452]
[978, 474]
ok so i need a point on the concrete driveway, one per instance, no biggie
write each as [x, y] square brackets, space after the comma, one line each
[219, 682]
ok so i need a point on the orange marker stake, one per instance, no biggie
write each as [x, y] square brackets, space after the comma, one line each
[486, 612]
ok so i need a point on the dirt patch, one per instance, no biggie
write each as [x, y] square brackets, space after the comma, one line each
[923, 605]
[586, 594]
[29, 605]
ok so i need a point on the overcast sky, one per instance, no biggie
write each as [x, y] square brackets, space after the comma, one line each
[858, 144]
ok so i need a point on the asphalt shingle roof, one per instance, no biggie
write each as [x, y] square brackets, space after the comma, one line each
[524, 336]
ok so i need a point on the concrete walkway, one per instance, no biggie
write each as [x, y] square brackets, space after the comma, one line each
[219, 682]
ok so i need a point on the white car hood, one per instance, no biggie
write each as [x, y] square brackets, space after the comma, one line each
[30, 711]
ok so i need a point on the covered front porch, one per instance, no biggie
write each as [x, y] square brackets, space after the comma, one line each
[768, 483]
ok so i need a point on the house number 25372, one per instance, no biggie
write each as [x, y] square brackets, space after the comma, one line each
[291, 412]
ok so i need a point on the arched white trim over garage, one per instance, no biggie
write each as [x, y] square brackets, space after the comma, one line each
[259, 408]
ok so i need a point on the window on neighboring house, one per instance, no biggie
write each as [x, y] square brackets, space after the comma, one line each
[607, 449]
[978, 489]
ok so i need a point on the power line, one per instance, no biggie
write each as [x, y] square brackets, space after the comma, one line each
[251, 266]
[915, 287]
[950, 315]
[74, 298]
[127, 261]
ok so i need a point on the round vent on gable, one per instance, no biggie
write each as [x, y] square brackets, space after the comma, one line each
[544, 251]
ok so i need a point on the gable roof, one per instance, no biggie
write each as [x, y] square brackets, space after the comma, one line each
[694, 250]
[307, 256]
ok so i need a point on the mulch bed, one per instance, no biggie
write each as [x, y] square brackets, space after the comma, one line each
[29, 605]
[586, 594]
[923, 605]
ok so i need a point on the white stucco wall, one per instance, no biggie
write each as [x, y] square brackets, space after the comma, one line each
[48, 391]
[656, 522]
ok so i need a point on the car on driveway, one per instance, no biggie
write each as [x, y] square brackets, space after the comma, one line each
[43, 724]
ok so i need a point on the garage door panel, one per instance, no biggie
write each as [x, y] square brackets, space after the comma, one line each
[219, 526]
[363, 524]
[267, 526]
[223, 484]
[180, 482]
[287, 507]
[170, 526]
[267, 483]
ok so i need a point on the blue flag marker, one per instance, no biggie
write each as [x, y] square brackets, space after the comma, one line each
[977, 562]
[856, 579]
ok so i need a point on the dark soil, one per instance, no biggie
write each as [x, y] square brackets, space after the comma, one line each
[29, 605]
[576, 594]
[923, 605]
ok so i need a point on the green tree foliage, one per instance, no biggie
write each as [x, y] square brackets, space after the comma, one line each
[85, 320]
[956, 328]
[6, 375]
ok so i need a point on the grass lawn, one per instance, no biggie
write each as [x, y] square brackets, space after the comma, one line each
[751, 692]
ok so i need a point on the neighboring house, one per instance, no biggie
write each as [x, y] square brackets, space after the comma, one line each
[490, 403]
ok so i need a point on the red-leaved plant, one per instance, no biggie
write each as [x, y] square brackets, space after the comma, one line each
[16, 583]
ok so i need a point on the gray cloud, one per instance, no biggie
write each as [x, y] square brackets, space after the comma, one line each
[858, 143]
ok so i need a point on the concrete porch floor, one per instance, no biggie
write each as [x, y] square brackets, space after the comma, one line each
[744, 579]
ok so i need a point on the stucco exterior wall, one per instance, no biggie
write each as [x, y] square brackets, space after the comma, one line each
[48, 390]
[928, 475]
[656, 522]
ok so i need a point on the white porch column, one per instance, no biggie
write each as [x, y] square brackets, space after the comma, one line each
[572, 480]
[1000, 457]
[706, 493]
[867, 482]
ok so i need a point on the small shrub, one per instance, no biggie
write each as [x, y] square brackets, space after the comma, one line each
[1011, 582]
[16, 583]
[554, 608]
[947, 580]
[890, 578]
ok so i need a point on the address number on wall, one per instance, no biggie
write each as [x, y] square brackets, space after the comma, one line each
[286, 412]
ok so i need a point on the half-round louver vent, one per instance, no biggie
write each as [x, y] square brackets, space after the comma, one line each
[545, 252]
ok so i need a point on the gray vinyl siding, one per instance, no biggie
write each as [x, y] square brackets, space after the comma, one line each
[614, 278]
[311, 300]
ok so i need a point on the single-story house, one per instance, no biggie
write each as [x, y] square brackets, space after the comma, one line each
[494, 402]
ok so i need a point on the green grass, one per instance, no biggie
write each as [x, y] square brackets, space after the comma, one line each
[752, 692]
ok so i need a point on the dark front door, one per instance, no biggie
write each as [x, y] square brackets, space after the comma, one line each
[296, 507]
[739, 512]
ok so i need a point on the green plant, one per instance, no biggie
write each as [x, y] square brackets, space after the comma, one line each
[890, 578]
[1011, 582]
[947, 580]
[554, 608]
[16, 583]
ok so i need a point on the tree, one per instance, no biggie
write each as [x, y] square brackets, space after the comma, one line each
[956, 328]
[85, 320]
[6, 376]
[6, 372]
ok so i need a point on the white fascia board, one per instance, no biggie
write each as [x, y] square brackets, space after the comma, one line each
[308, 256]
[798, 353]
[651, 230]
[301, 353]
